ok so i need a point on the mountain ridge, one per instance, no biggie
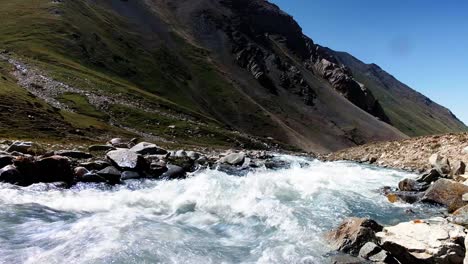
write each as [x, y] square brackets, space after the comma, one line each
[210, 72]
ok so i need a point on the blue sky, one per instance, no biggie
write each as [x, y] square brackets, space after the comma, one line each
[423, 43]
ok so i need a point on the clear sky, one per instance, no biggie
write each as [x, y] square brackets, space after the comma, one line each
[423, 43]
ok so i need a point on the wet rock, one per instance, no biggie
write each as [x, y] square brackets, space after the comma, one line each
[193, 155]
[157, 168]
[233, 159]
[110, 174]
[80, 171]
[129, 175]
[429, 241]
[125, 159]
[345, 259]
[352, 234]
[440, 163]
[410, 185]
[185, 162]
[74, 154]
[404, 197]
[27, 166]
[95, 165]
[273, 164]
[372, 252]
[145, 148]
[5, 160]
[446, 192]
[10, 174]
[101, 148]
[174, 172]
[458, 168]
[430, 176]
[54, 169]
[26, 148]
[179, 154]
[91, 177]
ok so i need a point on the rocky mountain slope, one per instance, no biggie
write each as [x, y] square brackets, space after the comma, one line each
[207, 72]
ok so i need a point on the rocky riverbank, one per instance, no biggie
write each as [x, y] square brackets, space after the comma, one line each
[25, 163]
[443, 182]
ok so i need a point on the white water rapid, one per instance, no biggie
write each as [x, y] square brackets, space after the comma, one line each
[264, 217]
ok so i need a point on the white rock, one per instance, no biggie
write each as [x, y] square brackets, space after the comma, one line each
[434, 240]
[465, 150]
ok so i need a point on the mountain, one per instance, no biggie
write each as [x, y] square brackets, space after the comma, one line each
[204, 72]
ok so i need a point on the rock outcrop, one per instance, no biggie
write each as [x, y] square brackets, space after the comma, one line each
[424, 241]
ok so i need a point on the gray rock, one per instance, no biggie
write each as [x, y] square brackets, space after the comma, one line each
[446, 192]
[5, 160]
[180, 154]
[129, 175]
[440, 163]
[174, 172]
[193, 155]
[10, 174]
[352, 234]
[410, 185]
[54, 169]
[95, 165]
[125, 159]
[157, 168]
[74, 154]
[26, 148]
[465, 150]
[145, 148]
[429, 241]
[110, 174]
[101, 148]
[118, 143]
[375, 254]
[91, 177]
[80, 171]
[458, 168]
[430, 177]
[460, 216]
[233, 159]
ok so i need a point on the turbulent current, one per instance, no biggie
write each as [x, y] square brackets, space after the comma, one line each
[266, 216]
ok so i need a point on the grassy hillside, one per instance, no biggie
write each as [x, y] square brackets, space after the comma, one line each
[411, 112]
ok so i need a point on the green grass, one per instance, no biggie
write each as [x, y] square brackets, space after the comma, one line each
[80, 104]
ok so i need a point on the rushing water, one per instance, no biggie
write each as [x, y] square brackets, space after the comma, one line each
[264, 217]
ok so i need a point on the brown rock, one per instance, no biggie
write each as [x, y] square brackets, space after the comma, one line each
[458, 168]
[440, 163]
[352, 234]
[446, 192]
[54, 169]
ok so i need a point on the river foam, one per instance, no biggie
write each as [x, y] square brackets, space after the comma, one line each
[265, 217]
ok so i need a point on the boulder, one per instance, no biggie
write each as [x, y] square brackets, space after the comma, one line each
[157, 168]
[125, 159]
[129, 175]
[101, 148]
[5, 160]
[74, 154]
[27, 167]
[460, 216]
[372, 252]
[193, 155]
[410, 185]
[118, 143]
[233, 159]
[80, 171]
[429, 241]
[186, 163]
[446, 192]
[11, 174]
[54, 169]
[26, 148]
[179, 154]
[145, 148]
[174, 172]
[404, 197]
[465, 150]
[95, 165]
[458, 168]
[91, 177]
[430, 176]
[352, 234]
[440, 163]
[110, 174]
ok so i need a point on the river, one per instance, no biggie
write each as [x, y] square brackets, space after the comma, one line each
[266, 216]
